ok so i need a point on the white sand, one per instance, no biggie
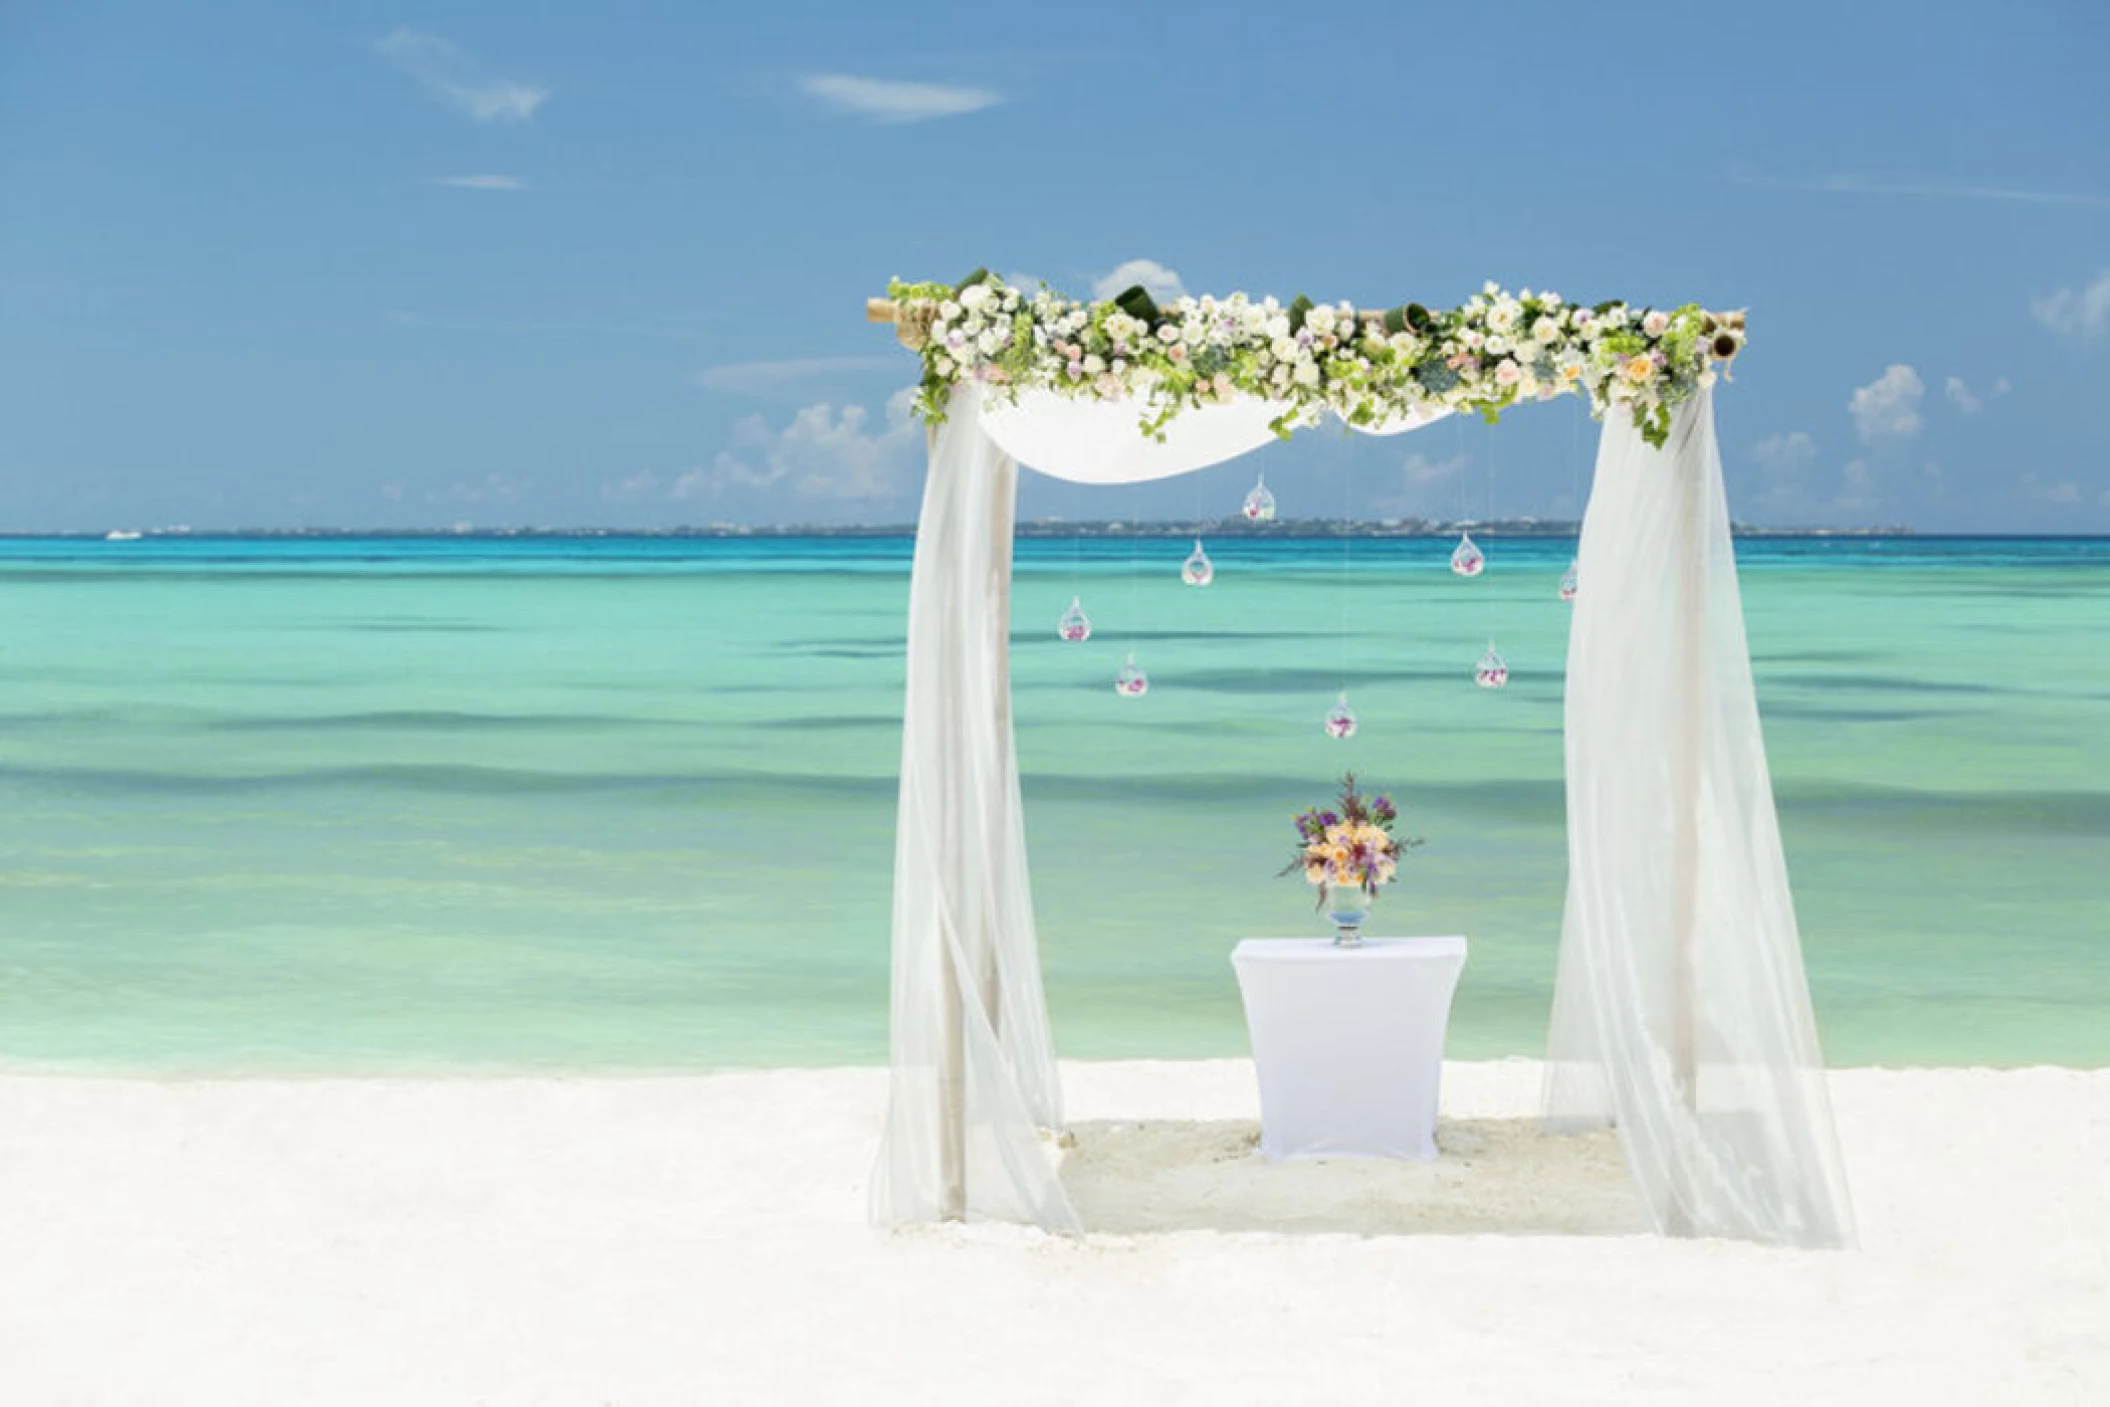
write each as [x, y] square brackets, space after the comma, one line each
[701, 1241]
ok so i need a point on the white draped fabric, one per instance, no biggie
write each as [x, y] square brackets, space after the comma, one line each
[1100, 441]
[973, 1065]
[1681, 1013]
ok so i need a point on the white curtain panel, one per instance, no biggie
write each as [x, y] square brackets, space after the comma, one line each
[1681, 1013]
[974, 1084]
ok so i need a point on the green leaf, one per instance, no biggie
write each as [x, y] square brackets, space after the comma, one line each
[1136, 301]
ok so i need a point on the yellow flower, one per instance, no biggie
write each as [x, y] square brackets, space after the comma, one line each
[1639, 368]
[1315, 872]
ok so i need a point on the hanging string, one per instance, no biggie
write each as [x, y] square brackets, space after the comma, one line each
[1347, 562]
[1075, 626]
[1340, 720]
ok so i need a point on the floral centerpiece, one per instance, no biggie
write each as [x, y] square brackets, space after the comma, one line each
[1369, 366]
[1348, 851]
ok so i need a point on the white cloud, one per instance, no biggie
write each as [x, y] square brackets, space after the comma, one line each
[479, 183]
[1417, 472]
[1157, 280]
[458, 80]
[492, 488]
[2001, 388]
[778, 378]
[822, 454]
[887, 101]
[2063, 491]
[2083, 312]
[1889, 406]
[1857, 487]
[1787, 454]
[643, 484]
[1847, 184]
[1962, 396]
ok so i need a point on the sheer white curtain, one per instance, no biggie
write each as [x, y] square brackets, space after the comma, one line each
[973, 1067]
[1681, 1013]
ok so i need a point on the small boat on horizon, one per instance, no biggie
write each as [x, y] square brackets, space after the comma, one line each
[121, 535]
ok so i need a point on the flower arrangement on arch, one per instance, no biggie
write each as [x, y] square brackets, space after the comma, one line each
[1370, 367]
[1350, 843]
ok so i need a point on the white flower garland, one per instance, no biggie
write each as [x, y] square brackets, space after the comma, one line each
[1368, 367]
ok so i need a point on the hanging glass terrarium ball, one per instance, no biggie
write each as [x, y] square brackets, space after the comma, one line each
[1340, 720]
[1131, 682]
[1467, 559]
[1075, 625]
[1197, 570]
[1260, 504]
[1493, 670]
[1569, 585]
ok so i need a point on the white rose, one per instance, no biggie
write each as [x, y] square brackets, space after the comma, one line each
[1278, 327]
[1307, 373]
[1656, 324]
[1320, 320]
[1094, 364]
[948, 310]
[1545, 330]
[1168, 334]
[1496, 346]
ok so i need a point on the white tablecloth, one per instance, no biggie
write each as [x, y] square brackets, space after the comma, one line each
[1348, 1042]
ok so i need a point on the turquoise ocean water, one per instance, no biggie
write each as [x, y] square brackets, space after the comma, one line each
[300, 805]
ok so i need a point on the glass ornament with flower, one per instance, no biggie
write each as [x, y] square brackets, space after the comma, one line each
[1347, 851]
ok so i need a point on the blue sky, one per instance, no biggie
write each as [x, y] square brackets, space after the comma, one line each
[355, 265]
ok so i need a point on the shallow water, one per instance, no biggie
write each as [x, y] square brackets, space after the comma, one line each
[297, 805]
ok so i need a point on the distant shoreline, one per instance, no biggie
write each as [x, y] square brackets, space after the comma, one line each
[1233, 527]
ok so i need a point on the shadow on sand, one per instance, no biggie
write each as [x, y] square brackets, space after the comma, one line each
[1500, 1176]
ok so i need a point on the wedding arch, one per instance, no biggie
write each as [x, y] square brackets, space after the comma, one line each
[1681, 1013]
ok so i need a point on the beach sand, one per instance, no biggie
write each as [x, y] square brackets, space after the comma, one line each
[702, 1240]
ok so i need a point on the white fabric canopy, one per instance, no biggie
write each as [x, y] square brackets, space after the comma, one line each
[1681, 1010]
[1101, 442]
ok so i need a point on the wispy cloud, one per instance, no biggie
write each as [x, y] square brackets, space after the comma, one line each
[1962, 396]
[479, 183]
[1785, 455]
[823, 454]
[2079, 312]
[1926, 190]
[1888, 408]
[1157, 280]
[457, 79]
[768, 379]
[2061, 491]
[886, 100]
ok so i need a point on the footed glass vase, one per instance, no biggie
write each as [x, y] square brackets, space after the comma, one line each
[1347, 908]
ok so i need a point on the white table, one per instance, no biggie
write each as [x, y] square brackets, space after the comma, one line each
[1348, 1042]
